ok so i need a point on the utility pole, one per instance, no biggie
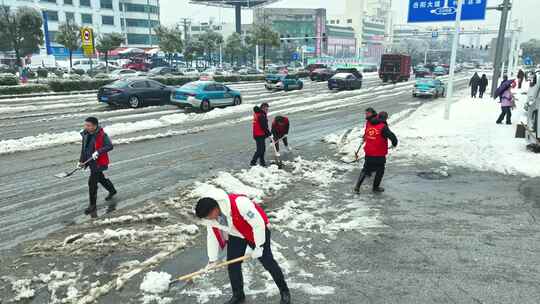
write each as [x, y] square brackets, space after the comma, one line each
[149, 23]
[450, 92]
[187, 25]
[499, 51]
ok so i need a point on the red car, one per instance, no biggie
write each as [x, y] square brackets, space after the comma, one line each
[137, 65]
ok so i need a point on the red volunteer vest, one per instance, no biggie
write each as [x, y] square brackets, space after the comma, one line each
[258, 131]
[240, 223]
[103, 158]
[376, 145]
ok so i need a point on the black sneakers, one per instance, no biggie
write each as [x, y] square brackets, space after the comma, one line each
[378, 189]
[237, 300]
[111, 195]
[285, 298]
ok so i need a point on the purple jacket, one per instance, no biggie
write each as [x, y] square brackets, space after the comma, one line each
[506, 98]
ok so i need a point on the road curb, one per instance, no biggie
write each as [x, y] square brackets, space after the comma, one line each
[14, 96]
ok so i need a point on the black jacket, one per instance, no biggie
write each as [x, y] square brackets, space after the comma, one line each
[89, 144]
[475, 81]
[386, 132]
[483, 83]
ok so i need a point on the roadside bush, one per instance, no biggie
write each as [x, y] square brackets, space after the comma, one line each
[7, 79]
[23, 89]
[77, 85]
[42, 73]
[79, 72]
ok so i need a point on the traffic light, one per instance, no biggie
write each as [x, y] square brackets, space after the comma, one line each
[307, 38]
[481, 47]
[324, 39]
[487, 47]
[288, 39]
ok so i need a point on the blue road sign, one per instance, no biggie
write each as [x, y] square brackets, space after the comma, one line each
[528, 60]
[295, 56]
[445, 10]
[434, 34]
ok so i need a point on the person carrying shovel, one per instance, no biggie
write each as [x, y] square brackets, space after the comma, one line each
[280, 130]
[96, 145]
[234, 222]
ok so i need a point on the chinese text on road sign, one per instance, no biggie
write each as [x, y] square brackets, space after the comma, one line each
[445, 10]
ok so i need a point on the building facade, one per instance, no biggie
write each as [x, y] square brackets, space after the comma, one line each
[341, 41]
[133, 18]
[197, 28]
[308, 26]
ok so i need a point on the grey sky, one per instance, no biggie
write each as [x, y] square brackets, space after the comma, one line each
[524, 10]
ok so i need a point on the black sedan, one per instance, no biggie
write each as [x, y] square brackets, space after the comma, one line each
[162, 71]
[321, 74]
[345, 81]
[135, 93]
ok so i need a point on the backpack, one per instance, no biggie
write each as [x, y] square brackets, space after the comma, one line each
[503, 87]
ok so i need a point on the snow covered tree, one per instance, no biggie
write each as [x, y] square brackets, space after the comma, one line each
[170, 40]
[20, 31]
[107, 43]
[263, 35]
[69, 35]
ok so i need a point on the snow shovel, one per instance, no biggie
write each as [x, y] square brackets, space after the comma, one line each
[70, 173]
[276, 153]
[189, 277]
[356, 158]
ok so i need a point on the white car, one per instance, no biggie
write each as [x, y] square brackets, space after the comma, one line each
[190, 72]
[124, 73]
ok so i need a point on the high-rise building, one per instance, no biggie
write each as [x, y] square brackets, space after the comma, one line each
[133, 18]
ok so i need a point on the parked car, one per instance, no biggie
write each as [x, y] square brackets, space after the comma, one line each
[421, 72]
[284, 82]
[321, 74]
[205, 95]
[134, 93]
[190, 72]
[345, 81]
[429, 87]
[162, 71]
[123, 73]
[314, 66]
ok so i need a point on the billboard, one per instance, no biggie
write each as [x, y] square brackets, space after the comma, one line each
[445, 10]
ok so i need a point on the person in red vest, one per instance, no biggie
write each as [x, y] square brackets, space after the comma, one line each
[260, 133]
[96, 145]
[376, 136]
[280, 130]
[235, 222]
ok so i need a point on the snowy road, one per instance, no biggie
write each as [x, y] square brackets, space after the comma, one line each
[157, 148]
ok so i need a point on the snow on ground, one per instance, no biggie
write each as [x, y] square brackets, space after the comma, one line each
[470, 138]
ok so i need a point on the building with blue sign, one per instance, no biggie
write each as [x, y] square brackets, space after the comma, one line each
[133, 18]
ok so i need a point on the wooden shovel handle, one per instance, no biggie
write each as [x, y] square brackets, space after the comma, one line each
[188, 277]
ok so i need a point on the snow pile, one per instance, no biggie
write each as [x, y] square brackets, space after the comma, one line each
[22, 289]
[267, 179]
[231, 184]
[469, 139]
[156, 282]
[320, 172]
[132, 218]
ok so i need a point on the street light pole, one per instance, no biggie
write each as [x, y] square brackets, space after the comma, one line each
[450, 92]
[499, 52]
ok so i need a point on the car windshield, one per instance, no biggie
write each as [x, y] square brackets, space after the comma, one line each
[190, 86]
[119, 84]
[425, 81]
[341, 75]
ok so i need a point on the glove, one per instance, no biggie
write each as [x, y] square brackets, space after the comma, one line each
[80, 165]
[257, 253]
[95, 155]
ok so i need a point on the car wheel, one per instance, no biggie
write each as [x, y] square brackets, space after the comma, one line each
[237, 101]
[134, 101]
[300, 86]
[205, 106]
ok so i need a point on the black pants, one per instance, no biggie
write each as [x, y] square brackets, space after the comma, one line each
[261, 150]
[237, 248]
[97, 176]
[284, 139]
[520, 82]
[372, 164]
[474, 91]
[505, 111]
[482, 91]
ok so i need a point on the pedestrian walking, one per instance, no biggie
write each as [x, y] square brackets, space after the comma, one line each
[233, 223]
[534, 79]
[473, 84]
[483, 85]
[96, 145]
[376, 136]
[280, 130]
[260, 133]
[506, 99]
[521, 76]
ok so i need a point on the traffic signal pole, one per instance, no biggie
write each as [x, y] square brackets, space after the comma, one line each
[450, 92]
[499, 51]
